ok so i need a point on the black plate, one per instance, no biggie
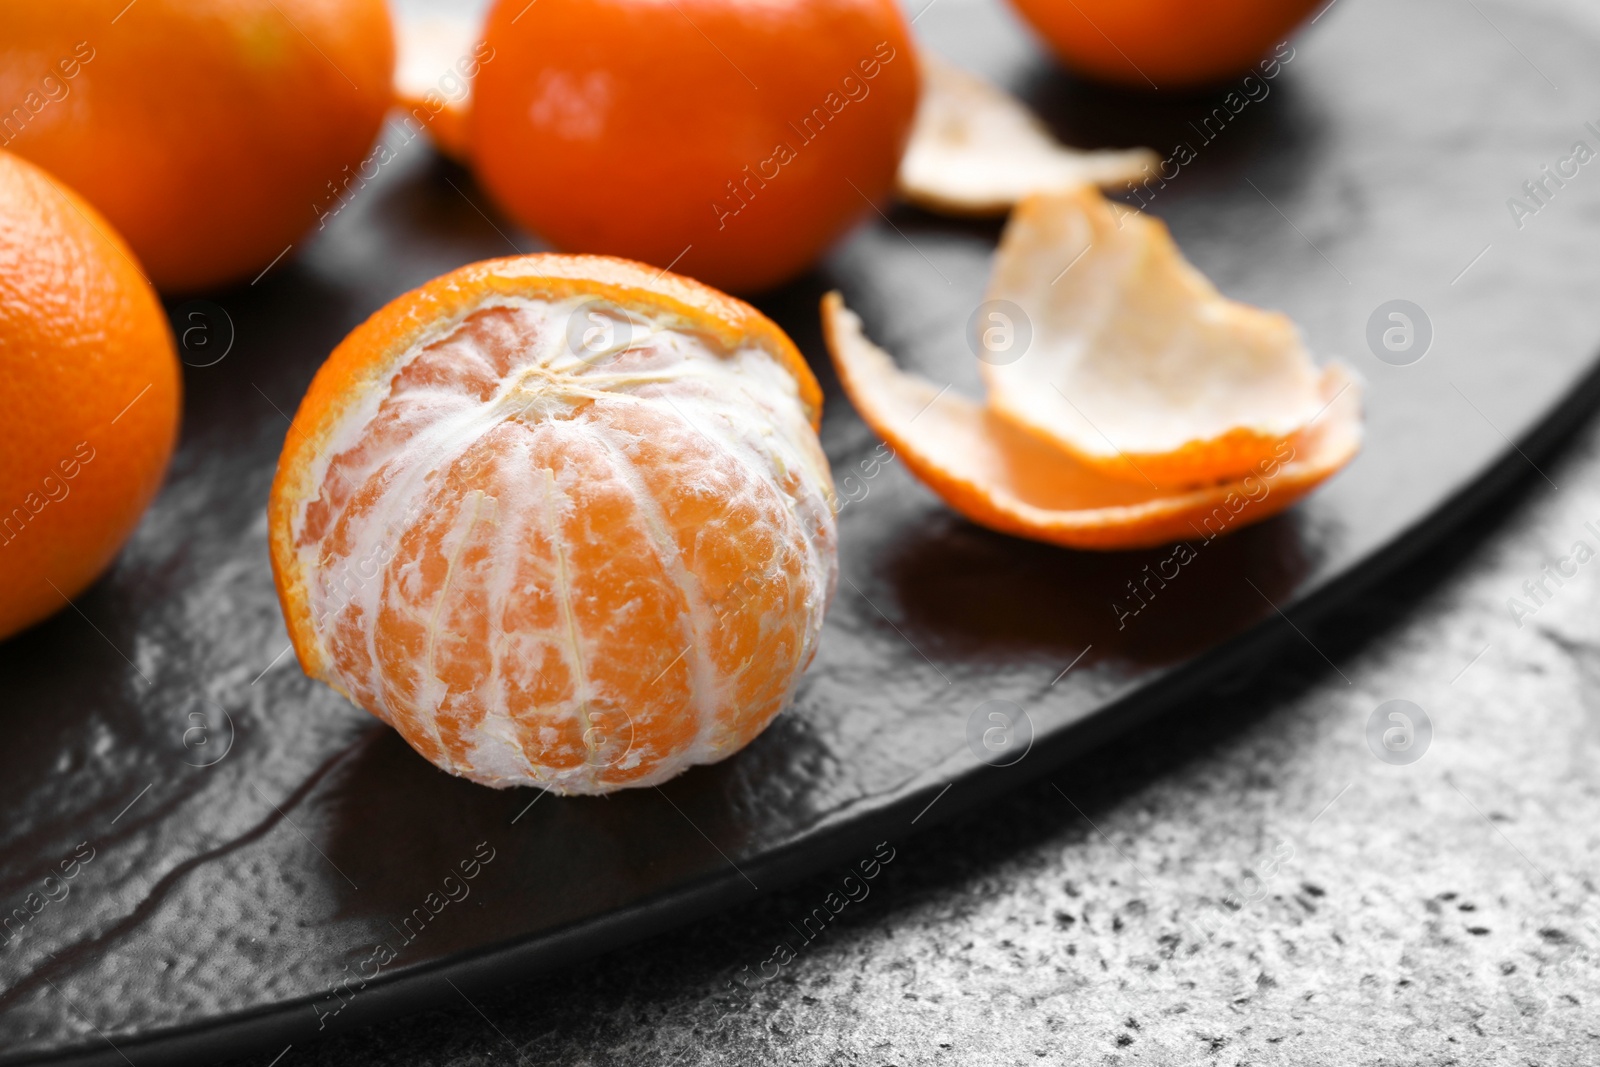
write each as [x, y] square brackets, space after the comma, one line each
[254, 838]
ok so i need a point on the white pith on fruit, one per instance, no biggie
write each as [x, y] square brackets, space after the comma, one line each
[570, 545]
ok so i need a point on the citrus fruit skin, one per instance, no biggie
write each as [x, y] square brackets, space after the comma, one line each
[743, 137]
[89, 405]
[1007, 479]
[1162, 44]
[976, 150]
[545, 563]
[1135, 362]
[208, 134]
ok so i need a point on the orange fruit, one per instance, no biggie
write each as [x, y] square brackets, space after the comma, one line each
[728, 140]
[211, 135]
[1010, 480]
[559, 520]
[1163, 44]
[89, 410]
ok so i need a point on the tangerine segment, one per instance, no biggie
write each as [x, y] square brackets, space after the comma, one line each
[1137, 365]
[1016, 482]
[977, 150]
[559, 520]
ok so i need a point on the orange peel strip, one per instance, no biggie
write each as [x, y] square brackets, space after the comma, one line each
[1015, 482]
[975, 150]
[1137, 364]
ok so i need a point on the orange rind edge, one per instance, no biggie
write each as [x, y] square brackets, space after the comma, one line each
[1102, 167]
[1199, 461]
[1317, 452]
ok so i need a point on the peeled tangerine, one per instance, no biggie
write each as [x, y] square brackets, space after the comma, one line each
[1147, 408]
[560, 521]
[976, 150]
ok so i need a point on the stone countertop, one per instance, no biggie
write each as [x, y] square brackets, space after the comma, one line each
[1240, 882]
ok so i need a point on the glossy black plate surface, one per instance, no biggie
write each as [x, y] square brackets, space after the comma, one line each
[246, 840]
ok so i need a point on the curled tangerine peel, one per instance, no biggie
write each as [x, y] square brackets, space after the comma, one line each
[976, 150]
[580, 568]
[1009, 480]
[1138, 365]
[436, 57]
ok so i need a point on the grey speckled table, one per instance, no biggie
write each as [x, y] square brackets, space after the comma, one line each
[1441, 912]
[1436, 913]
[1354, 912]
